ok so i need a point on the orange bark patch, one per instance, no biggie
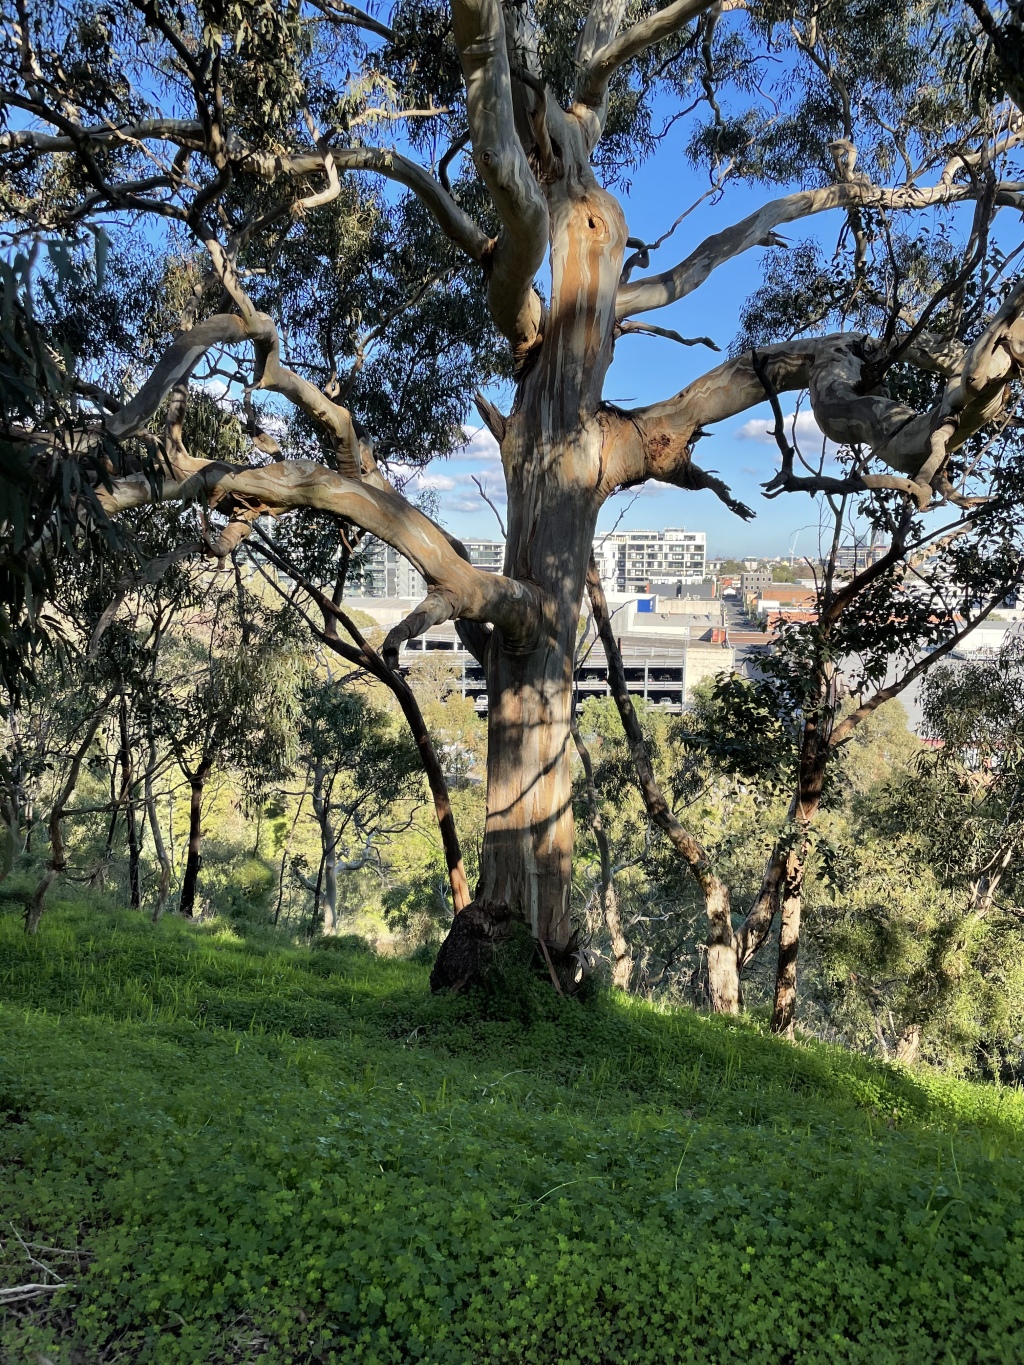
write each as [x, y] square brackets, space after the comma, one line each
[667, 453]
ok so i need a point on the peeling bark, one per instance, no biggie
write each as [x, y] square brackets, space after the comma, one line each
[554, 454]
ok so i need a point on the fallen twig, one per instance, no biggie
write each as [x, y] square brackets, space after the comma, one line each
[20, 1293]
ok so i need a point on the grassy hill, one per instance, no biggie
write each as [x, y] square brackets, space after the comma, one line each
[231, 1149]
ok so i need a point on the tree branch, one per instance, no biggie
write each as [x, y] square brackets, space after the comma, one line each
[279, 487]
[340, 12]
[591, 95]
[831, 368]
[599, 29]
[191, 134]
[368, 501]
[362, 656]
[657, 291]
[479, 31]
[628, 328]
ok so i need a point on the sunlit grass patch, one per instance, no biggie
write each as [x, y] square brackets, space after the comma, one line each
[306, 1143]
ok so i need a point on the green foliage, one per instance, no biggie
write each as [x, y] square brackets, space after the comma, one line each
[40, 509]
[738, 724]
[782, 573]
[924, 934]
[260, 1152]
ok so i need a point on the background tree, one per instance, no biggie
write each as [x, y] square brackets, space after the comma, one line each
[359, 774]
[230, 695]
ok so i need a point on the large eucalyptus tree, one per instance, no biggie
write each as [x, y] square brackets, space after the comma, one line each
[233, 132]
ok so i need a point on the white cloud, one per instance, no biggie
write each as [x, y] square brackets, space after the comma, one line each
[481, 447]
[479, 456]
[806, 432]
[217, 389]
[440, 483]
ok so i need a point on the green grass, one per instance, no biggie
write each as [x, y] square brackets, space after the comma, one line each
[261, 1152]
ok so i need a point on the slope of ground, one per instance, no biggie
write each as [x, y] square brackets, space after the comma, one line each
[230, 1149]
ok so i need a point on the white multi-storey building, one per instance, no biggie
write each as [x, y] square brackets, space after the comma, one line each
[386, 573]
[629, 561]
[634, 561]
[486, 554]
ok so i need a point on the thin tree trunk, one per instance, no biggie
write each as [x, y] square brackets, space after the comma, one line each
[14, 842]
[163, 861]
[985, 889]
[326, 893]
[197, 783]
[622, 962]
[125, 799]
[284, 855]
[814, 754]
[784, 1009]
[755, 930]
[329, 894]
[438, 791]
[363, 656]
[98, 877]
[58, 853]
[723, 974]
[14, 805]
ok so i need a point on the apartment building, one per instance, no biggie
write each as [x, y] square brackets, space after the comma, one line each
[386, 573]
[629, 561]
[633, 561]
[486, 554]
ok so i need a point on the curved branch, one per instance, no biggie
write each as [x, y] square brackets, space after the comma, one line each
[479, 30]
[176, 364]
[757, 229]
[832, 369]
[628, 327]
[656, 442]
[340, 12]
[591, 96]
[245, 493]
[436, 608]
[454, 221]
[599, 28]
[273, 489]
